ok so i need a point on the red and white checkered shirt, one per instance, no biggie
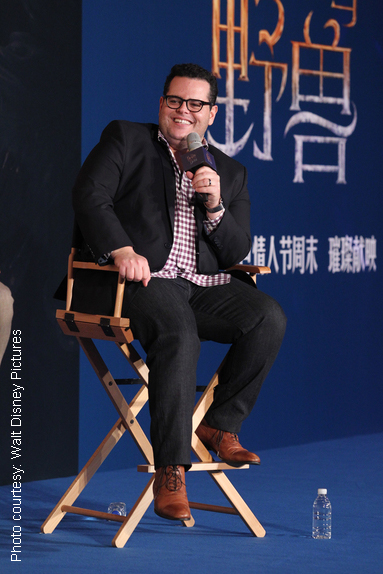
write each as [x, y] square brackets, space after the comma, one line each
[182, 261]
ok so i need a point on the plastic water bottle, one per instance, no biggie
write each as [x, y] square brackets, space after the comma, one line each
[117, 508]
[321, 516]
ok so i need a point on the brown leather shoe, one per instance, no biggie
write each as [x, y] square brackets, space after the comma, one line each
[169, 490]
[225, 445]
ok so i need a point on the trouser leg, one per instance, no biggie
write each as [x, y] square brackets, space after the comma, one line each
[255, 325]
[163, 322]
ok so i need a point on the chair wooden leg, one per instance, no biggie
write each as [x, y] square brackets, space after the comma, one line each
[238, 503]
[134, 516]
[206, 399]
[136, 362]
[127, 421]
[84, 477]
[117, 398]
[189, 523]
[239, 506]
[228, 490]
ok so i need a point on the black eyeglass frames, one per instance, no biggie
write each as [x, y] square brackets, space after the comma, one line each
[174, 102]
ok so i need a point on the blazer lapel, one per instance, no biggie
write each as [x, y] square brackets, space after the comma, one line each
[169, 178]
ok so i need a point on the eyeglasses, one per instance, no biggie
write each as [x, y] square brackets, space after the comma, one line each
[174, 102]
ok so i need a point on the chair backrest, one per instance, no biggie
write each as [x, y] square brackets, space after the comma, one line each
[86, 325]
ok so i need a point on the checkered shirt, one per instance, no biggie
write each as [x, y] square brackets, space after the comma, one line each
[182, 261]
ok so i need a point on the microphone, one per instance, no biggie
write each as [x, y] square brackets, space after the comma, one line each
[197, 156]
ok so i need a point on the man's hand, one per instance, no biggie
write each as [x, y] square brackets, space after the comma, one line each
[206, 180]
[131, 265]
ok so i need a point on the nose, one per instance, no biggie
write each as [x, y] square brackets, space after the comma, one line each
[183, 107]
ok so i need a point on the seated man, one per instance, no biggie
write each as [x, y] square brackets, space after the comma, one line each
[135, 205]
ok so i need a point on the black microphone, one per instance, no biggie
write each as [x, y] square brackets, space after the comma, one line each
[197, 156]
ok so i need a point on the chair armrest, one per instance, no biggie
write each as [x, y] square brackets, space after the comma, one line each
[252, 269]
[94, 266]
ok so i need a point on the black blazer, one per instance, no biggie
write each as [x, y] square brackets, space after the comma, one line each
[125, 195]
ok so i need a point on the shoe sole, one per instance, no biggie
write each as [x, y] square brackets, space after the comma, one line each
[171, 517]
[233, 463]
[238, 464]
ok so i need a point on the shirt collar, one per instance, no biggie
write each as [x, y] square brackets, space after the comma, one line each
[161, 137]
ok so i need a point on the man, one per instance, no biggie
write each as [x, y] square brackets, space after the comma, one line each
[135, 206]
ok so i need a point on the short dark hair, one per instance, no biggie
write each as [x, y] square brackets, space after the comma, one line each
[193, 71]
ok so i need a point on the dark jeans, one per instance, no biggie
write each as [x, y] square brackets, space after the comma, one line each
[169, 317]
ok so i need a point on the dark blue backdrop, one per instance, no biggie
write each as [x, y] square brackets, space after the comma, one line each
[327, 379]
[40, 119]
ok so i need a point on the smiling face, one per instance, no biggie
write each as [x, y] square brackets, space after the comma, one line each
[176, 125]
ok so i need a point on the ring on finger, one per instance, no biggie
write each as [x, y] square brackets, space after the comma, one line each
[209, 182]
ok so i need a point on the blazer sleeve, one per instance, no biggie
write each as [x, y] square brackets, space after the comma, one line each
[94, 192]
[231, 240]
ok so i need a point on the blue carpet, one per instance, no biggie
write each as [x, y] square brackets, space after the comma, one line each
[280, 492]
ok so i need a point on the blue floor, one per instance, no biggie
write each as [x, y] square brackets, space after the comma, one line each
[280, 492]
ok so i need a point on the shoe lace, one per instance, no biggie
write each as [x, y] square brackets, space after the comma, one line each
[173, 478]
[221, 434]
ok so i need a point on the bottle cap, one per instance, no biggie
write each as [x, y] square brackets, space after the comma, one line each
[322, 490]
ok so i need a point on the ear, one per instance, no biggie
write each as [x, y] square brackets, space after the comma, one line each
[213, 113]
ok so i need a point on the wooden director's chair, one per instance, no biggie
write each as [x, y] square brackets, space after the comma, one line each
[85, 328]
